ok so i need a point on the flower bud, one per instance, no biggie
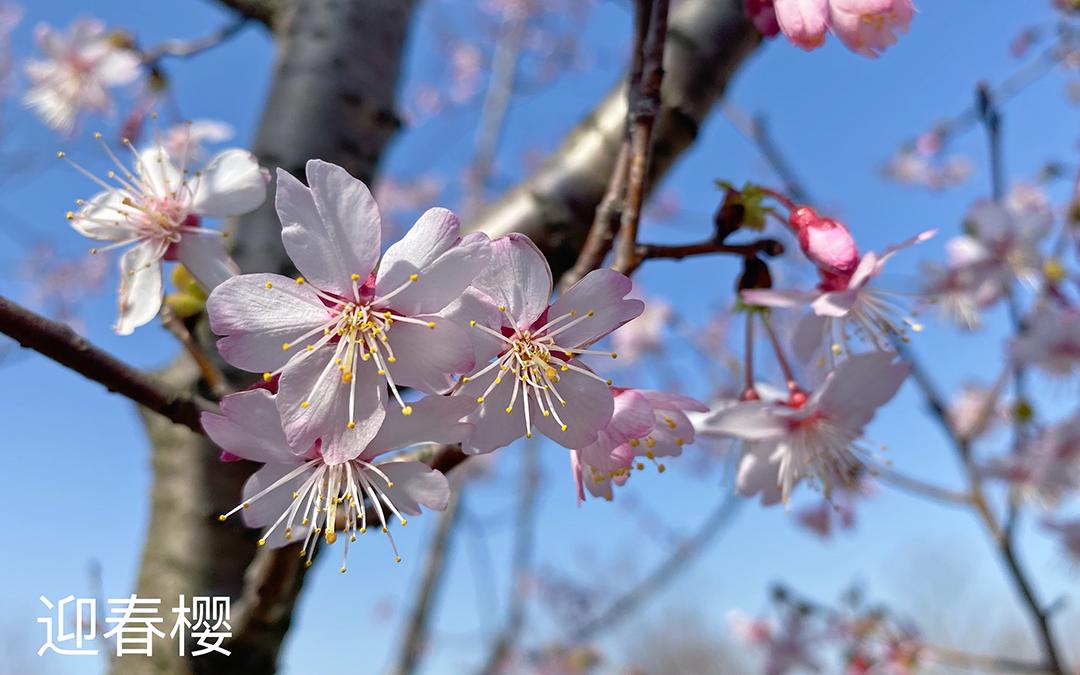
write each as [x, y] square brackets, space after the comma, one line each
[825, 242]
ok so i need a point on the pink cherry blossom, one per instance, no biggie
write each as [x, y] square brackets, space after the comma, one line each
[835, 512]
[157, 210]
[868, 27]
[788, 646]
[804, 22]
[825, 242]
[302, 495]
[1001, 244]
[536, 371]
[76, 73]
[1051, 341]
[844, 303]
[975, 411]
[344, 333]
[818, 439]
[645, 423]
[1047, 467]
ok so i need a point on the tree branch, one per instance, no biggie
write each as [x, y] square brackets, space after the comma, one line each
[61, 344]
[188, 48]
[265, 12]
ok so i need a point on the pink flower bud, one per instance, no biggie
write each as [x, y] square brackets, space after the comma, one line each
[763, 15]
[827, 243]
[868, 27]
[804, 22]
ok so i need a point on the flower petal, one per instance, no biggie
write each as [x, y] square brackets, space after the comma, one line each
[476, 306]
[426, 357]
[493, 428]
[103, 217]
[809, 336]
[668, 401]
[156, 169]
[859, 385]
[250, 427]
[787, 299]
[434, 419]
[257, 313]
[265, 510]
[836, 304]
[750, 420]
[758, 474]
[416, 484]
[331, 230]
[231, 184]
[316, 381]
[588, 409]
[443, 263]
[205, 257]
[517, 278]
[140, 286]
[602, 292]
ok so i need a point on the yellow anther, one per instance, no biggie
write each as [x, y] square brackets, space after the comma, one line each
[343, 569]
[670, 422]
[661, 468]
[61, 154]
[431, 325]
[262, 542]
[509, 410]
[390, 485]
[397, 559]
[331, 537]
[590, 313]
[650, 442]
[299, 280]
[479, 399]
[608, 381]
[221, 517]
[391, 359]
[528, 434]
[269, 285]
[547, 414]
[346, 376]
[680, 442]
[363, 530]
[640, 466]
[307, 563]
[246, 505]
[355, 277]
[304, 405]
[350, 425]
[550, 372]
[70, 215]
[406, 411]
[564, 427]
[380, 371]
[267, 377]
[564, 368]
[414, 277]
[310, 348]
[404, 522]
[614, 355]
[650, 454]
[502, 308]
[472, 324]
[285, 346]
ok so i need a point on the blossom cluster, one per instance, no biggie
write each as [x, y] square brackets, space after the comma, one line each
[866, 27]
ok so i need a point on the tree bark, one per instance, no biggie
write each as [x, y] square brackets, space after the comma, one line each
[332, 97]
[707, 42]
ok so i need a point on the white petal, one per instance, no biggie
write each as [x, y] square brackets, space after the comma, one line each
[250, 427]
[103, 217]
[808, 337]
[231, 184]
[862, 383]
[426, 357]
[751, 420]
[205, 257]
[160, 175]
[434, 419]
[140, 286]
[588, 409]
[264, 511]
[416, 484]
[767, 297]
[757, 474]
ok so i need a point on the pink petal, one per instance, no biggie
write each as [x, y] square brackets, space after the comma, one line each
[494, 428]
[836, 304]
[669, 401]
[804, 22]
[415, 485]
[255, 321]
[517, 278]
[140, 286]
[476, 306]
[426, 357]
[250, 427]
[317, 381]
[205, 257]
[588, 409]
[601, 292]
[750, 420]
[435, 419]
[265, 510]
[332, 230]
[889, 251]
[861, 384]
[430, 249]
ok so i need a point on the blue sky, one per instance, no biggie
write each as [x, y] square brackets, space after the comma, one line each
[77, 461]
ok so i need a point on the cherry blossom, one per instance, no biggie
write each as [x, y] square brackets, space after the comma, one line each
[1051, 341]
[804, 22]
[302, 495]
[536, 369]
[76, 73]
[1001, 245]
[1046, 468]
[345, 332]
[645, 423]
[815, 436]
[975, 410]
[788, 646]
[844, 300]
[157, 210]
[868, 27]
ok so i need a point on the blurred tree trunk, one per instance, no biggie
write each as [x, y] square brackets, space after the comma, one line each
[332, 97]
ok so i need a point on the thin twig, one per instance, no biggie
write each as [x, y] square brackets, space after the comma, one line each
[755, 129]
[521, 564]
[61, 344]
[643, 110]
[922, 488]
[187, 48]
[770, 247]
[417, 630]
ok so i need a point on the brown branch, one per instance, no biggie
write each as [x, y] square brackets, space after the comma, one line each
[769, 247]
[61, 344]
[266, 12]
[188, 48]
[416, 633]
[643, 108]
